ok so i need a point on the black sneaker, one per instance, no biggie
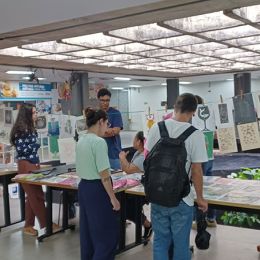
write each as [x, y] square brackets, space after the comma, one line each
[147, 232]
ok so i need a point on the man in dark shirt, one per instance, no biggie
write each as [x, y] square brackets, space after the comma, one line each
[115, 121]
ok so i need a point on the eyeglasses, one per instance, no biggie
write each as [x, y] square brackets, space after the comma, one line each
[108, 124]
[104, 100]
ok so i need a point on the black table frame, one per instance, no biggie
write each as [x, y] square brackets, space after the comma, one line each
[6, 179]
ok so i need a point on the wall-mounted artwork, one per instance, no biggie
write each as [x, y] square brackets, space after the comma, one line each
[2, 116]
[53, 148]
[43, 106]
[8, 117]
[67, 126]
[204, 118]
[227, 140]
[41, 123]
[93, 89]
[53, 125]
[249, 136]
[81, 124]
[224, 114]
[244, 110]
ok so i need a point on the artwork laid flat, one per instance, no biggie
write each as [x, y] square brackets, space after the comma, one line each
[249, 136]
[227, 140]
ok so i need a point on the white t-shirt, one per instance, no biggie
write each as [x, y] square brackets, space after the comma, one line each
[195, 146]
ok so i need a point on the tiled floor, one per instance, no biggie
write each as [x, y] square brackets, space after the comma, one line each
[227, 243]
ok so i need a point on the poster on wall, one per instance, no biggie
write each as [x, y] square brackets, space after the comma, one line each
[7, 90]
[81, 125]
[244, 110]
[93, 89]
[8, 117]
[223, 114]
[43, 106]
[2, 116]
[67, 126]
[249, 136]
[32, 90]
[227, 140]
[41, 123]
[53, 125]
[53, 147]
[256, 99]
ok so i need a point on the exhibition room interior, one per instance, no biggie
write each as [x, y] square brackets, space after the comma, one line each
[138, 49]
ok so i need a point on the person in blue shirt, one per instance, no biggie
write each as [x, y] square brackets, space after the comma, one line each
[112, 136]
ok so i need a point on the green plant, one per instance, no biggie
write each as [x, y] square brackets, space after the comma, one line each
[238, 218]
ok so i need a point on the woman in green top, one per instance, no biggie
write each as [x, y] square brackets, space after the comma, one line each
[99, 207]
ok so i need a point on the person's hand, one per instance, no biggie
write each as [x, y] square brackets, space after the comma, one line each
[202, 204]
[123, 154]
[115, 204]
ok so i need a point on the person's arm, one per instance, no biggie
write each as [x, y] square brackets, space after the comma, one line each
[106, 181]
[126, 166]
[197, 179]
[112, 131]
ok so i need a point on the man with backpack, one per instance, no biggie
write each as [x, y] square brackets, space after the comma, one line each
[175, 153]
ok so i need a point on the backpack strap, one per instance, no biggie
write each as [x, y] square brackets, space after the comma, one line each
[187, 133]
[163, 130]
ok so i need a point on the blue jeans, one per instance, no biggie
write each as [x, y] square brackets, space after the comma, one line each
[115, 164]
[171, 225]
[207, 171]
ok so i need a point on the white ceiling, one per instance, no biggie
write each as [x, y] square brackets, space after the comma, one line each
[16, 15]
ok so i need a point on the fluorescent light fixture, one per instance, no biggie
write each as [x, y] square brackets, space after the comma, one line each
[19, 72]
[164, 84]
[135, 86]
[229, 79]
[121, 78]
[117, 88]
[185, 82]
[27, 78]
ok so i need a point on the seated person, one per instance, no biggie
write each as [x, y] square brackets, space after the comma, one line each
[136, 166]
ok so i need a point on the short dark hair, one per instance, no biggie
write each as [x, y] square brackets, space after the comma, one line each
[103, 92]
[199, 99]
[92, 116]
[140, 136]
[186, 103]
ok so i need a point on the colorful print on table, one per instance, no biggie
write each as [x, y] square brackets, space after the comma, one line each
[244, 110]
[227, 140]
[249, 136]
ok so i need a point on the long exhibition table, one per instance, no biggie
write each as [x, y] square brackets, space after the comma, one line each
[6, 175]
[66, 182]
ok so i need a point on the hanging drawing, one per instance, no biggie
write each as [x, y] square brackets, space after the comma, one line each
[249, 136]
[223, 114]
[93, 89]
[67, 126]
[41, 123]
[53, 148]
[204, 118]
[43, 106]
[67, 148]
[209, 140]
[8, 117]
[227, 140]
[244, 110]
[81, 125]
[2, 116]
[53, 125]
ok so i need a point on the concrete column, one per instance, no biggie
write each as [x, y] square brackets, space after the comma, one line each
[172, 92]
[242, 82]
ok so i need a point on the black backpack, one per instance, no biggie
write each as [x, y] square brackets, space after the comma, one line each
[165, 179]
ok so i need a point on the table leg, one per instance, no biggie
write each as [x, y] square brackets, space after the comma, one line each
[6, 201]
